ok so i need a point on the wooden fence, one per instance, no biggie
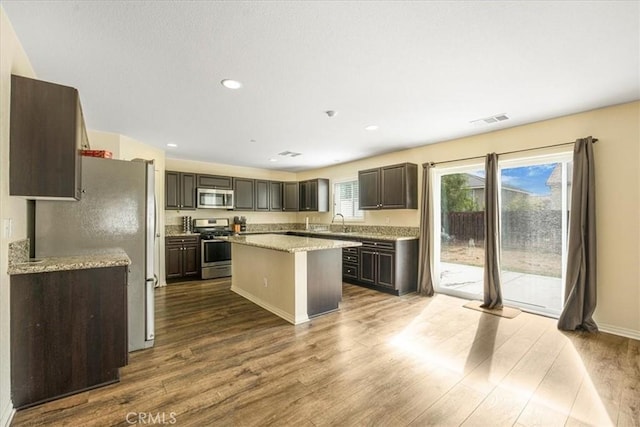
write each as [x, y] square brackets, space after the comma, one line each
[519, 229]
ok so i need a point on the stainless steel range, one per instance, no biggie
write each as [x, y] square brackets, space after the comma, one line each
[215, 253]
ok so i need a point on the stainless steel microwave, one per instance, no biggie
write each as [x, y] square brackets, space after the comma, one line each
[215, 199]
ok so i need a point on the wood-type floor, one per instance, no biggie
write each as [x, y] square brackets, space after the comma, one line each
[381, 360]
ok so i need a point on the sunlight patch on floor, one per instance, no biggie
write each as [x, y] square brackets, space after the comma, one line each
[407, 344]
[564, 394]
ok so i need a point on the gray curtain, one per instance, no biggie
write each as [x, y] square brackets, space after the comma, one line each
[425, 270]
[580, 285]
[492, 290]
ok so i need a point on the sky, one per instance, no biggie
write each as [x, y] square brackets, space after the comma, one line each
[529, 178]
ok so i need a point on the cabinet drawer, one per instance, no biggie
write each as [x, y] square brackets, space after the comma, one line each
[353, 259]
[353, 251]
[350, 270]
[390, 246]
[182, 240]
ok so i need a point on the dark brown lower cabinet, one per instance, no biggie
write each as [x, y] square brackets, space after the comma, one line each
[350, 263]
[384, 265]
[182, 257]
[377, 263]
[68, 332]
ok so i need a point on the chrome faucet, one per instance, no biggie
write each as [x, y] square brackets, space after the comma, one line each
[344, 229]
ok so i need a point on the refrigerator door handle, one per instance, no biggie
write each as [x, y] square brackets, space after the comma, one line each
[150, 251]
[149, 308]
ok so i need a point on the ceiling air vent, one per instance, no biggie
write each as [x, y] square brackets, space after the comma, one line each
[289, 154]
[489, 120]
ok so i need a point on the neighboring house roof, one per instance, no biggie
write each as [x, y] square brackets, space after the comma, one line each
[474, 181]
[556, 175]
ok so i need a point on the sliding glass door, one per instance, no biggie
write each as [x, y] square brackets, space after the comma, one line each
[459, 216]
[534, 203]
[533, 218]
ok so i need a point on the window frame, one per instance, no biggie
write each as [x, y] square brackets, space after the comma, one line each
[336, 183]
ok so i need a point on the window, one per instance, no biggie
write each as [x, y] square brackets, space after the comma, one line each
[345, 200]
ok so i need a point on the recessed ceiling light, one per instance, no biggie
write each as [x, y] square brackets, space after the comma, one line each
[172, 145]
[273, 159]
[371, 127]
[231, 84]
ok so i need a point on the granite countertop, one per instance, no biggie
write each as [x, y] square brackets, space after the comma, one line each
[322, 233]
[110, 258]
[181, 234]
[284, 243]
[357, 235]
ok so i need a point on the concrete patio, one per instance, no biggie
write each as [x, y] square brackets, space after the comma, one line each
[530, 292]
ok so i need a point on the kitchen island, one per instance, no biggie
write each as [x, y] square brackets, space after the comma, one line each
[295, 278]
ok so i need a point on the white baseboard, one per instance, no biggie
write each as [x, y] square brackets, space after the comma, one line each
[616, 330]
[275, 310]
[7, 414]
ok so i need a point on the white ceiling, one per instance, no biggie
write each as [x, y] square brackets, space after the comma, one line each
[421, 71]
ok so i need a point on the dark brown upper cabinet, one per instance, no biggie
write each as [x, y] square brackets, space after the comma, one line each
[180, 190]
[290, 196]
[314, 195]
[369, 188]
[275, 196]
[389, 187]
[262, 195]
[215, 181]
[244, 194]
[47, 131]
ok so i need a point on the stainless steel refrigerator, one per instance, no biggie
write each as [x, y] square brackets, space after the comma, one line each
[117, 210]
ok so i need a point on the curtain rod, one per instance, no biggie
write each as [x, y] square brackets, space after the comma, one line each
[594, 140]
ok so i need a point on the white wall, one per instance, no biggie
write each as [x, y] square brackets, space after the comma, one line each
[105, 141]
[13, 60]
